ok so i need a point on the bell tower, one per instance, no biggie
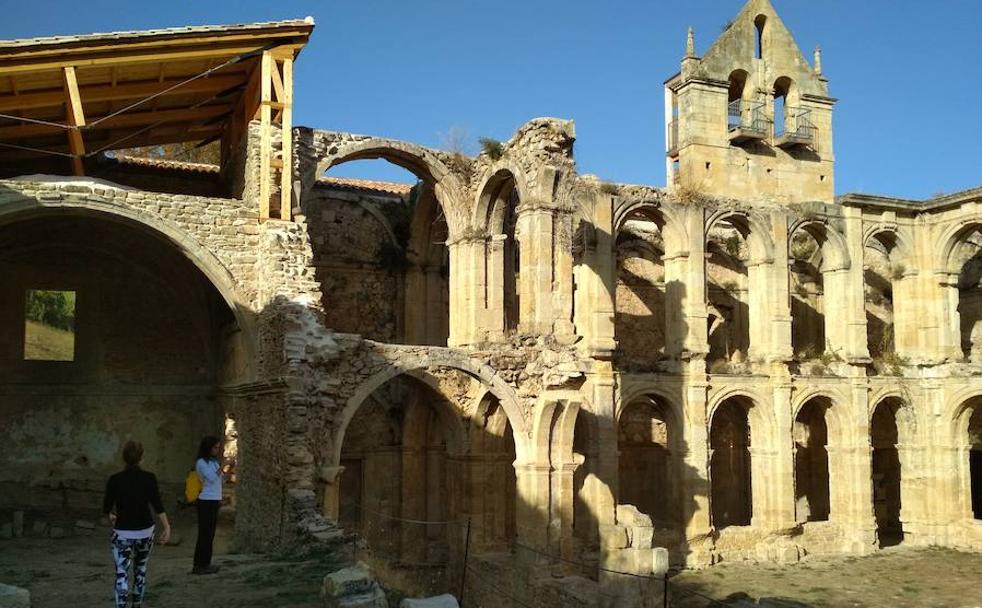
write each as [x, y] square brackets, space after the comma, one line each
[751, 119]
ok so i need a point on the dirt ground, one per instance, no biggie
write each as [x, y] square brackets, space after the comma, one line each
[78, 572]
[898, 577]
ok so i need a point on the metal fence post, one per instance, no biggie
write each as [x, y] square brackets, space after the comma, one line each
[463, 574]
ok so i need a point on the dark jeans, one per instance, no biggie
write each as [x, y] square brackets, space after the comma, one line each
[207, 522]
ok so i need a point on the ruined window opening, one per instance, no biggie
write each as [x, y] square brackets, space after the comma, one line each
[968, 262]
[645, 471]
[881, 271]
[811, 463]
[808, 319]
[781, 89]
[729, 466]
[759, 24]
[503, 260]
[49, 325]
[640, 297]
[886, 472]
[728, 296]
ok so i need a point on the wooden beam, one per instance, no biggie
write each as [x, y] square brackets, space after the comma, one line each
[286, 172]
[265, 134]
[74, 117]
[116, 57]
[277, 82]
[136, 119]
[286, 34]
[134, 91]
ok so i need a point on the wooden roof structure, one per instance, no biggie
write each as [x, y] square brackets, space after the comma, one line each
[78, 96]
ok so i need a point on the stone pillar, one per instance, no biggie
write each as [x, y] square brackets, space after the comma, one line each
[596, 278]
[694, 283]
[415, 308]
[781, 475]
[779, 348]
[948, 338]
[906, 320]
[467, 289]
[331, 478]
[759, 304]
[695, 475]
[676, 323]
[851, 471]
[532, 511]
[537, 238]
[854, 321]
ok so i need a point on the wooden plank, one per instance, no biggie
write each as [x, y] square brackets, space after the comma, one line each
[119, 59]
[286, 124]
[265, 134]
[75, 117]
[137, 119]
[277, 83]
[135, 91]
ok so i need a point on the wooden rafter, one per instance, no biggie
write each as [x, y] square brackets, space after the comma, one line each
[120, 92]
[75, 118]
[136, 119]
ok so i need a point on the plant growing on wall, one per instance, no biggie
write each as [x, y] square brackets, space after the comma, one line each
[492, 147]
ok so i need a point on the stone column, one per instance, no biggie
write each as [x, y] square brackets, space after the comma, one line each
[779, 348]
[535, 225]
[759, 304]
[597, 276]
[781, 475]
[837, 312]
[854, 320]
[948, 338]
[467, 288]
[694, 283]
[906, 319]
[695, 476]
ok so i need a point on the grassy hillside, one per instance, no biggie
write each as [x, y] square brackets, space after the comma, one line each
[45, 343]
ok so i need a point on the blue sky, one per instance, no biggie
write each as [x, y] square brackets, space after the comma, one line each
[908, 75]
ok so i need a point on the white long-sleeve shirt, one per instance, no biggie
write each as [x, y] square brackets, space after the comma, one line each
[211, 479]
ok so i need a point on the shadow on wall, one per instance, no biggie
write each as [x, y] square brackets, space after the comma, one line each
[150, 343]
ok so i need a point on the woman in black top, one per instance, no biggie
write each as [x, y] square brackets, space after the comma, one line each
[129, 496]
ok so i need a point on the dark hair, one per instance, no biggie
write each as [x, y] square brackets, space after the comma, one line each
[204, 449]
[132, 453]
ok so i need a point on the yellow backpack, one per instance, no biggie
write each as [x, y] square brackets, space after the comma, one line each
[192, 486]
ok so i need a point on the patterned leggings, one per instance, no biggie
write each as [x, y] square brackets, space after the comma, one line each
[137, 553]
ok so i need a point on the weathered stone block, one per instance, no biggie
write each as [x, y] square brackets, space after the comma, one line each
[14, 597]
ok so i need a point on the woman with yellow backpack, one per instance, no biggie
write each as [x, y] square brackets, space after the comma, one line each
[203, 487]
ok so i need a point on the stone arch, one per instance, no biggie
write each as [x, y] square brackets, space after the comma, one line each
[640, 389]
[901, 240]
[761, 418]
[190, 248]
[499, 199]
[948, 242]
[837, 426]
[750, 228]
[509, 400]
[420, 161]
[835, 251]
[965, 428]
[816, 418]
[498, 175]
[668, 220]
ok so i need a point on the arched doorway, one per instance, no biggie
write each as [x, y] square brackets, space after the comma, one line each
[396, 460]
[646, 464]
[492, 466]
[109, 333]
[731, 498]
[811, 462]
[887, 471]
